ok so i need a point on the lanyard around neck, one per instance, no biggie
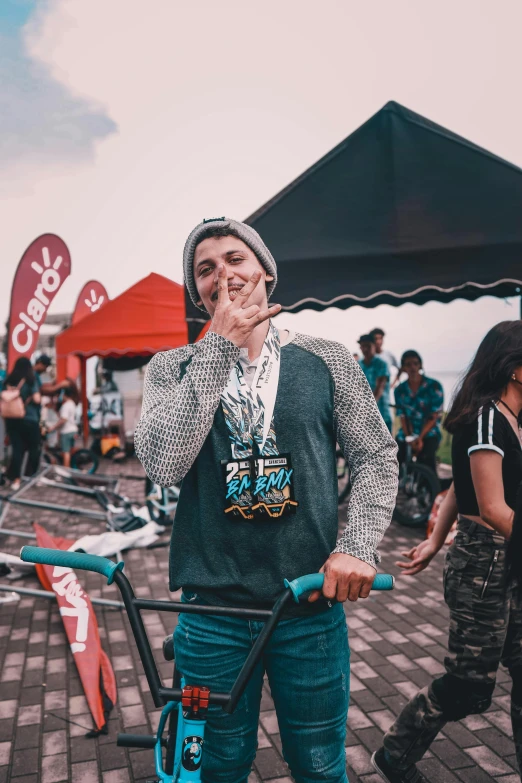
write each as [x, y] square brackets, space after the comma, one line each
[256, 402]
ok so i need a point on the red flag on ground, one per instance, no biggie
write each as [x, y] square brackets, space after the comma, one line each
[81, 627]
[40, 274]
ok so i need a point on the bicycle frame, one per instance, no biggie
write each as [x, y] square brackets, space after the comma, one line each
[190, 736]
[191, 702]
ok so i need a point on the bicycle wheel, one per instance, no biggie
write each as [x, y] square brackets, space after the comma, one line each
[343, 477]
[418, 488]
[85, 460]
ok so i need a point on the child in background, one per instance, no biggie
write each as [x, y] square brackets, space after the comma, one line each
[48, 418]
[67, 424]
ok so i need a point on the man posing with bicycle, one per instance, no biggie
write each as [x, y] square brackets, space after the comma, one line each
[249, 418]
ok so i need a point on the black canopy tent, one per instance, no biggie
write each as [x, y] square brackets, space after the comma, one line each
[401, 210]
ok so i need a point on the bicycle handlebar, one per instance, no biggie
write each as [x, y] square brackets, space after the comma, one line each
[305, 584]
[104, 566]
[64, 559]
[161, 694]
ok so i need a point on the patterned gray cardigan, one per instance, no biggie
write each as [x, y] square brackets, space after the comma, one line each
[179, 437]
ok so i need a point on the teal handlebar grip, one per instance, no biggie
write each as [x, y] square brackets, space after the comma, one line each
[305, 584]
[383, 582]
[57, 557]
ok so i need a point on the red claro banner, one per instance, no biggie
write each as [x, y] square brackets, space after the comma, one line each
[92, 296]
[81, 628]
[42, 270]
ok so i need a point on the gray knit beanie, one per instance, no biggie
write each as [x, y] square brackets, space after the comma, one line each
[237, 229]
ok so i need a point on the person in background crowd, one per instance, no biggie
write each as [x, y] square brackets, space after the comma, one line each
[383, 353]
[41, 366]
[481, 580]
[2, 370]
[48, 418]
[418, 403]
[24, 434]
[108, 384]
[67, 422]
[378, 376]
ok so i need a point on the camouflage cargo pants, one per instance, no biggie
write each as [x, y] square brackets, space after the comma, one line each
[485, 629]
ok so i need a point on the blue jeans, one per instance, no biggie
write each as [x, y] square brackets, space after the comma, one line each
[308, 665]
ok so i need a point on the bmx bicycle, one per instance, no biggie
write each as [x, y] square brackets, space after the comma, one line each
[418, 488]
[184, 705]
[81, 459]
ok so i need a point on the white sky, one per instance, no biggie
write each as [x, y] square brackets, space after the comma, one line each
[190, 110]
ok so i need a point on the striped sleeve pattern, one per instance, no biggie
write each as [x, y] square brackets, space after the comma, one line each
[487, 436]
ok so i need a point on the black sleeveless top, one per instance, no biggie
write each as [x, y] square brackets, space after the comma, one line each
[490, 430]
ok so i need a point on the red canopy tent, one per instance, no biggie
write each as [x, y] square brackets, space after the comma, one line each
[146, 318]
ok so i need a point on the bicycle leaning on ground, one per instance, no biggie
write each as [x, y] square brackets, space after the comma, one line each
[81, 459]
[184, 705]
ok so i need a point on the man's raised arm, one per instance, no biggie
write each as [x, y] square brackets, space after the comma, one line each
[180, 397]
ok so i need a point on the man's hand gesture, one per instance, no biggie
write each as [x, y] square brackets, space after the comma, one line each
[237, 318]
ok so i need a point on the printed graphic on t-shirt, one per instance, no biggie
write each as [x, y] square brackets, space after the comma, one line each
[258, 486]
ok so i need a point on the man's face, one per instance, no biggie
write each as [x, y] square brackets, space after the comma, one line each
[240, 263]
[40, 368]
[367, 349]
[412, 366]
[378, 342]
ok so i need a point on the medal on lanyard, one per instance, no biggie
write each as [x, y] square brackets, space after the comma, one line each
[272, 486]
[238, 482]
[258, 480]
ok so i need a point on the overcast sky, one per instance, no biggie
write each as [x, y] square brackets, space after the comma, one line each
[125, 122]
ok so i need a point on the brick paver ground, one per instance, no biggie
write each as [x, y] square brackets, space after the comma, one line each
[397, 641]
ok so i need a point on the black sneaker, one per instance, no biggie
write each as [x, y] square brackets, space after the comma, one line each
[393, 774]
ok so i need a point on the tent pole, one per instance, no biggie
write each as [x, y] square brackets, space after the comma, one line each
[85, 404]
